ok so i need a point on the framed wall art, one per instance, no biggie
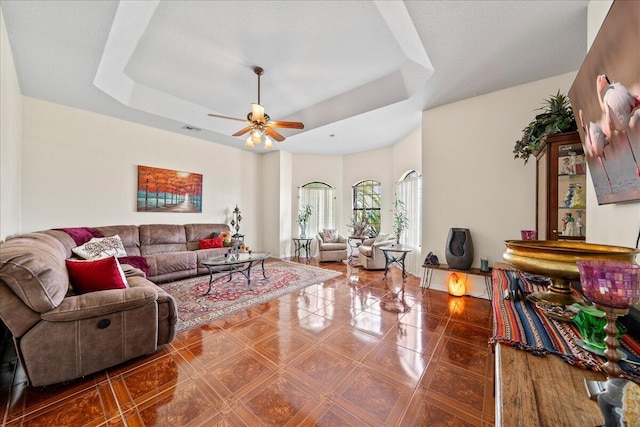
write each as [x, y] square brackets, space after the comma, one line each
[605, 97]
[166, 190]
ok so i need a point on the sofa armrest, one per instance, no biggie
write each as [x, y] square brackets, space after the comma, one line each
[100, 303]
[369, 241]
[383, 243]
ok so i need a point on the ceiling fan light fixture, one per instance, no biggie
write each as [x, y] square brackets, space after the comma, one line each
[249, 142]
[268, 142]
[256, 136]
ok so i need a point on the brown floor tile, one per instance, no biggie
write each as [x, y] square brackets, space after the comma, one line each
[372, 396]
[337, 353]
[321, 368]
[282, 401]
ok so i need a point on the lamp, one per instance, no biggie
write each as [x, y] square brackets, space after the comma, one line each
[612, 287]
[457, 284]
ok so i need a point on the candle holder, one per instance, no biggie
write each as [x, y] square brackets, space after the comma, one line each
[612, 287]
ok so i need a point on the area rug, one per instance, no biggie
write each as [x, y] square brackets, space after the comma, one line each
[283, 277]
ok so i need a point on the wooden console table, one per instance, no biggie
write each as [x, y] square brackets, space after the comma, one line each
[428, 273]
[542, 391]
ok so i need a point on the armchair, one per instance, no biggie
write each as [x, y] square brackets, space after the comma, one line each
[59, 335]
[331, 249]
[369, 253]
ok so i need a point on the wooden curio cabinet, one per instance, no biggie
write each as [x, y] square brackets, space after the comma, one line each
[561, 188]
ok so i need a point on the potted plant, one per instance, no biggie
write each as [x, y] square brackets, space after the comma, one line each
[400, 218]
[556, 117]
[304, 213]
[359, 228]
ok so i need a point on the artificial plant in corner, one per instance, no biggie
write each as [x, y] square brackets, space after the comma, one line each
[556, 117]
[400, 218]
[304, 213]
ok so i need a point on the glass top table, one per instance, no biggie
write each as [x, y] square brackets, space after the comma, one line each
[395, 254]
[234, 263]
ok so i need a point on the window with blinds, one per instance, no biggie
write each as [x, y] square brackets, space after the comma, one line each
[321, 198]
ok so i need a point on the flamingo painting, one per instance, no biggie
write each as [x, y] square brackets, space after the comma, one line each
[608, 112]
[595, 142]
[618, 105]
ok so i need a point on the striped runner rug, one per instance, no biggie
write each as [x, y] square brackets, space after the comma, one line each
[520, 324]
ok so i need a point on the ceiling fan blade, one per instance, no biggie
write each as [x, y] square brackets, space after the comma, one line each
[257, 113]
[227, 117]
[273, 134]
[243, 131]
[288, 125]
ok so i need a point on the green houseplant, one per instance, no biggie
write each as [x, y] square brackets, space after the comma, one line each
[400, 218]
[304, 213]
[556, 117]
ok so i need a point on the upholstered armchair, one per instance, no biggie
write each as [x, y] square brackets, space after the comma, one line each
[60, 335]
[369, 253]
[331, 246]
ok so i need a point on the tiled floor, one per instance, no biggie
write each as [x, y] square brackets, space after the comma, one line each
[332, 354]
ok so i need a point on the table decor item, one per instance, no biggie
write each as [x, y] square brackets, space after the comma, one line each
[612, 287]
[557, 260]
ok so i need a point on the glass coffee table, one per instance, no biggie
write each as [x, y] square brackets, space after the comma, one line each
[234, 263]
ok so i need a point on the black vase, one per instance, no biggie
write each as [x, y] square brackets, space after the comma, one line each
[459, 250]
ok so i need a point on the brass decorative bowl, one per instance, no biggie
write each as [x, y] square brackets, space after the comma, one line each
[557, 260]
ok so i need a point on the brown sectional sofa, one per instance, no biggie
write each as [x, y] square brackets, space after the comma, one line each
[59, 335]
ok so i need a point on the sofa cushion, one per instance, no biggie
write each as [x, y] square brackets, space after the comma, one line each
[101, 247]
[329, 235]
[365, 250]
[211, 243]
[382, 237]
[196, 232]
[333, 247]
[128, 234]
[162, 238]
[96, 275]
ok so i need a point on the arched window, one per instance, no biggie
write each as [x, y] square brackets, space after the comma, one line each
[409, 190]
[366, 203]
[320, 197]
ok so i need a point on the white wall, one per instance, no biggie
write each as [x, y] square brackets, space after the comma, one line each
[80, 169]
[614, 224]
[10, 138]
[376, 165]
[470, 179]
[276, 184]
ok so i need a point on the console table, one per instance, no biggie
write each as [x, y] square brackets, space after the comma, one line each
[428, 273]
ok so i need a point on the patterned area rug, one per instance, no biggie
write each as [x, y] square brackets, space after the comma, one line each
[283, 277]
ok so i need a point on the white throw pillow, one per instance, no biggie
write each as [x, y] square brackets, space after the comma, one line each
[101, 247]
[329, 235]
[382, 237]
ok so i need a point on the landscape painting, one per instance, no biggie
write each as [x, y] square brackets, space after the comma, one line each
[605, 97]
[166, 190]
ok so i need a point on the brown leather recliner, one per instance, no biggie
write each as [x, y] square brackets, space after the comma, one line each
[59, 335]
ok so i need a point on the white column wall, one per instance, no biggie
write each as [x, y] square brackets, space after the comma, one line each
[10, 138]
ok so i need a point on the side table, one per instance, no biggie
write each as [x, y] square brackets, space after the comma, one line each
[300, 243]
[395, 254]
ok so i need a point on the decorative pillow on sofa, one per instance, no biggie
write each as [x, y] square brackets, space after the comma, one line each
[211, 243]
[96, 275]
[329, 235]
[382, 237]
[101, 247]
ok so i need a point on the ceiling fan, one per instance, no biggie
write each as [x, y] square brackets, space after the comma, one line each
[260, 124]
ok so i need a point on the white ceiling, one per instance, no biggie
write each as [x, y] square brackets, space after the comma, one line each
[357, 73]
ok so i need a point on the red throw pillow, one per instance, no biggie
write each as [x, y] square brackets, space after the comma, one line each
[96, 275]
[211, 243]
